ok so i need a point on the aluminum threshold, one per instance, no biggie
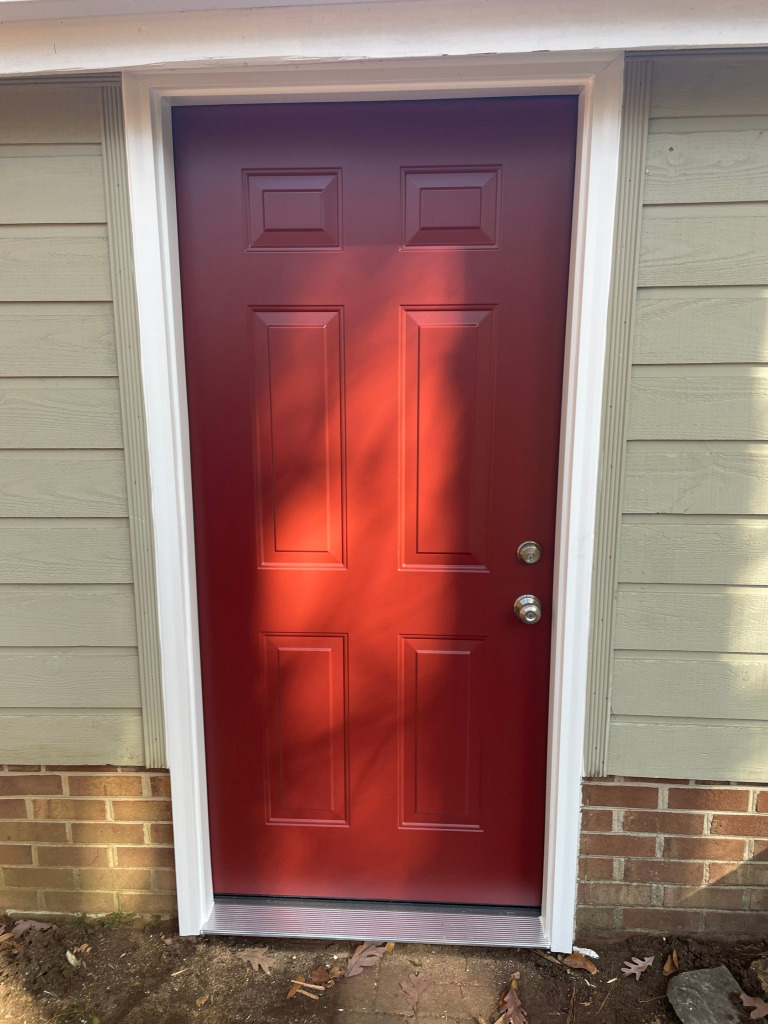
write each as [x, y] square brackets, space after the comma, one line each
[397, 922]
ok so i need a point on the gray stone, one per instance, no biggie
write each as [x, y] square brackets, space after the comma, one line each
[705, 997]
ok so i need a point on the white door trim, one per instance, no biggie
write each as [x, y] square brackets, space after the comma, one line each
[148, 98]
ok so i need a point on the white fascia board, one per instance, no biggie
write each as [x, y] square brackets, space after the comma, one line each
[374, 31]
[39, 10]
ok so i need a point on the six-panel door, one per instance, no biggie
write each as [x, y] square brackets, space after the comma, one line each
[374, 308]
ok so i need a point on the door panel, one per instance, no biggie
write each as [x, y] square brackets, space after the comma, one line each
[374, 301]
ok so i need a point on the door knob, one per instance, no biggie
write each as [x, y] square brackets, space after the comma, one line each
[528, 609]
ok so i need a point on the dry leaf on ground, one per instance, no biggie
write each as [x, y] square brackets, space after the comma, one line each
[366, 955]
[24, 926]
[760, 1006]
[320, 975]
[202, 1000]
[257, 957]
[579, 962]
[636, 966]
[513, 1012]
[413, 988]
[672, 964]
[295, 986]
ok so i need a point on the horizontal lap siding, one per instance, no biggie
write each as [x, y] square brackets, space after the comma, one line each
[69, 674]
[689, 689]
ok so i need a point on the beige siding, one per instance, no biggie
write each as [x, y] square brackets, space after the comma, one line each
[689, 688]
[69, 674]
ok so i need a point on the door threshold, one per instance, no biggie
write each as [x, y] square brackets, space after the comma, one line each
[442, 924]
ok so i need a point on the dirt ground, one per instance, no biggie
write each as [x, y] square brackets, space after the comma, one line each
[152, 976]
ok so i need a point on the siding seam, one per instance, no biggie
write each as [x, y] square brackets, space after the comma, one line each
[634, 132]
[134, 425]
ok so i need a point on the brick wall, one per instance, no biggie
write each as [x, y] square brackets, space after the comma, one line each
[91, 840]
[673, 856]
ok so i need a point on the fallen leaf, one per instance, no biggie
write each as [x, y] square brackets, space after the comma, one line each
[579, 962]
[636, 966]
[337, 971]
[366, 955]
[85, 948]
[760, 1006]
[24, 926]
[511, 1005]
[257, 957]
[672, 964]
[72, 959]
[413, 988]
[320, 976]
[295, 986]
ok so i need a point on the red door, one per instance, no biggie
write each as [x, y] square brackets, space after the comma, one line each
[374, 307]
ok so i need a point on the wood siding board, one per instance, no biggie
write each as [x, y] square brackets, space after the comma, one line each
[99, 737]
[55, 113]
[134, 426]
[710, 86]
[69, 678]
[49, 188]
[701, 325]
[704, 245]
[683, 406]
[696, 480]
[63, 483]
[67, 615]
[618, 363]
[65, 551]
[54, 263]
[696, 686]
[729, 753]
[74, 413]
[672, 618]
[57, 339]
[707, 167]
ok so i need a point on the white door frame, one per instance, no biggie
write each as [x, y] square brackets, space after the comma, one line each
[148, 97]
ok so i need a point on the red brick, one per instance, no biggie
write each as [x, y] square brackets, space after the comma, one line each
[727, 798]
[23, 767]
[758, 899]
[147, 903]
[161, 785]
[662, 920]
[594, 920]
[697, 897]
[32, 832]
[80, 902]
[745, 925]
[664, 822]
[754, 873]
[704, 848]
[596, 821]
[618, 845]
[108, 833]
[614, 894]
[145, 857]
[166, 881]
[105, 785]
[70, 810]
[760, 850]
[620, 796]
[739, 825]
[30, 785]
[683, 871]
[40, 878]
[19, 900]
[13, 809]
[13, 856]
[161, 834]
[596, 867]
[762, 801]
[93, 769]
[141, 810]
[114, 879]
[73, 856]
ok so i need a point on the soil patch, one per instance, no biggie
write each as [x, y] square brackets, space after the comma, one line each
[153, 976]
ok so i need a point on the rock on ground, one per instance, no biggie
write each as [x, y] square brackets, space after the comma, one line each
[705, 997]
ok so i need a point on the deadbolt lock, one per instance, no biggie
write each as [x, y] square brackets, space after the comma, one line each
[529, 552]
[528, 609]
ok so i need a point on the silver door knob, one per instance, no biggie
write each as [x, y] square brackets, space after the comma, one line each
[528, 609]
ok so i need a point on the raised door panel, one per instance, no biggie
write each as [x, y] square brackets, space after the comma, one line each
[299, 399]
[446, 438]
